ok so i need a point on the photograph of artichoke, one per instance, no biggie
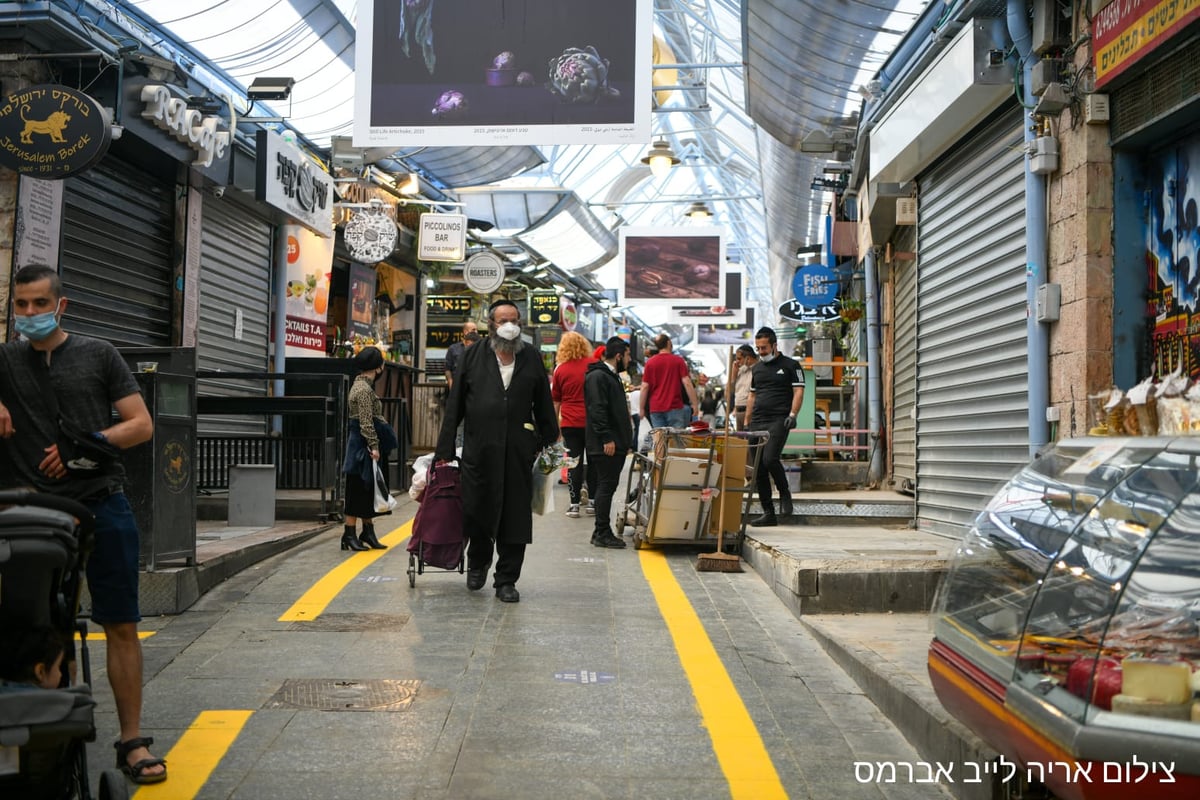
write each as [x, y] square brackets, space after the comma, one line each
[662, 268]
[461, 68]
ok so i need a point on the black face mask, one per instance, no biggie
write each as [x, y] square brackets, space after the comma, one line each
[622, 365]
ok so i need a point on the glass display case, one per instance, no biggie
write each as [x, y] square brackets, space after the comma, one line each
[1067, 627]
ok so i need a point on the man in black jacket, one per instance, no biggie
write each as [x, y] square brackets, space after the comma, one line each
[608, 437]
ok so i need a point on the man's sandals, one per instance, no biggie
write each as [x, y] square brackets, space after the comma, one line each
[137, 771]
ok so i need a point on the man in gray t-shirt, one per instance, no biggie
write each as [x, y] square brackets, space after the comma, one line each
[89, 381]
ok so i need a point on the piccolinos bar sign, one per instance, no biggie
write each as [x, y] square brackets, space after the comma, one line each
[49, 131]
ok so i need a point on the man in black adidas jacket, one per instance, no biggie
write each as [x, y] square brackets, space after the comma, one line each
[608, 437]
[776, 392]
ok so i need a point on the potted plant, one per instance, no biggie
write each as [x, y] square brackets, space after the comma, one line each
[851, 310]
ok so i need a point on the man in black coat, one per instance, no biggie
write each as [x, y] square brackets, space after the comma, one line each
[501, 394]
[608, 437]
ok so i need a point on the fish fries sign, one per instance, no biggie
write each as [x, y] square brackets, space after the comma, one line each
[186, 124]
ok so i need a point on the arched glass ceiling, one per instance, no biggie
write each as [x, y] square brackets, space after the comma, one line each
[807, 80]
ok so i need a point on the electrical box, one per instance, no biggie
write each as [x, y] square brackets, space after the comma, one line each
[1048, 26]
[906, 211]
[1095, 109]
[1049, 302]
[1045, 72]
[1043, 157]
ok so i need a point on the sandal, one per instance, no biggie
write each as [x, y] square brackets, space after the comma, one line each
[137, 772]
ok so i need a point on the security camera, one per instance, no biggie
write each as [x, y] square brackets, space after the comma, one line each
[218, 191]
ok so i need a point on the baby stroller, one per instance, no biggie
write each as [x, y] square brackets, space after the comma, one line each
[437, 537]
[44, 542]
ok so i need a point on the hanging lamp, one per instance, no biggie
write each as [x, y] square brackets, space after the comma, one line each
[660, 159]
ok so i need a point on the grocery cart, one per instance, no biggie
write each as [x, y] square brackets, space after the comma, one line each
[673, 494]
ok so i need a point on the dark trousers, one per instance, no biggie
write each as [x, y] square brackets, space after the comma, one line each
[608, 476]
[769, 466]
[509, 558]
[573, 442]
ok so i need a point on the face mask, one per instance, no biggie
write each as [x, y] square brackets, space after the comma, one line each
[37, 326]
[768, 358]
[509, 330]
[622, 365]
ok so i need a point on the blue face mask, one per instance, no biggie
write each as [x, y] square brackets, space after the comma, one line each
[37, 326]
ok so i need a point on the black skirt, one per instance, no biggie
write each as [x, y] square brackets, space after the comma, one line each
[360, 495]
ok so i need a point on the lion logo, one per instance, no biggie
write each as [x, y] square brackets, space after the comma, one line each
[52, 126]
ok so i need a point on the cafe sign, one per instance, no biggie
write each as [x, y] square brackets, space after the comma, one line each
[50, 131]
[289, 181]
[187, 125]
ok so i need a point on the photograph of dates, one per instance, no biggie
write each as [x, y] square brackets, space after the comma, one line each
[669, 267]
[470, 65]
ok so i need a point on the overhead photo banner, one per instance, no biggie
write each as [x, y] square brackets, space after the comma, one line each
[478, 72]
[672, 266]
[732, 312]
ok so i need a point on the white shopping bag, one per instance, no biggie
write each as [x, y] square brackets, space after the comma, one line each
[384, 502]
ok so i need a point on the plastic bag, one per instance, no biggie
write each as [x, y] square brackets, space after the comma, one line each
[420, 476]
[542, 498]
[384, 502]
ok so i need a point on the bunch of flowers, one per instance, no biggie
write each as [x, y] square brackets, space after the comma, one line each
[551, 458]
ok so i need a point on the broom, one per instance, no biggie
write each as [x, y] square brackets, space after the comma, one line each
[721, 561]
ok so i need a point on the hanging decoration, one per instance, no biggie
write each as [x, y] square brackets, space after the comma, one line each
[370, 234]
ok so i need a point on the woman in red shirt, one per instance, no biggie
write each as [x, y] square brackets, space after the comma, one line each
[574, 356]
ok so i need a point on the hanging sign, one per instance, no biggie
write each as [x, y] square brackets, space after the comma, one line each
[484, 272]
[544, 308]
[569, 319]
[291, 182]
[50, 131]
[442, 237]
[814, 285]
[370, 235]
[798, 312]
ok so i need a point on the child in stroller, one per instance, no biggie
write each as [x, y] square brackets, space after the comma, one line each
[44, 542]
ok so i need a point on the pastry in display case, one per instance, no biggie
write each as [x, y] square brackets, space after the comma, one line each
[1066, 632]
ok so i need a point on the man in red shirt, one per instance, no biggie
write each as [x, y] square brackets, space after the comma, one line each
[662, 400]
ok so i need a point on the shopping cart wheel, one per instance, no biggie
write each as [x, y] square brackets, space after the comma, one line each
[412, 570]
[113, 786]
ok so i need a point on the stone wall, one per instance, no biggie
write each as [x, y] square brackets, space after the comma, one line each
[14, 75]
[1080, 260]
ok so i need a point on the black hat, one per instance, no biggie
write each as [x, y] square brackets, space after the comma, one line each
[367, 359]
[503, 301]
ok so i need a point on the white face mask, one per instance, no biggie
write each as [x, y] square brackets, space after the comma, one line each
[509, 331]
[767, 359]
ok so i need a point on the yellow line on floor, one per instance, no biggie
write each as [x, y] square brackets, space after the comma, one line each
[98, 636]
[739, 747]
[194, 757]
[321, 594]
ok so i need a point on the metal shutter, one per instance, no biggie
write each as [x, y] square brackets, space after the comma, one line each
[972, 419]
[904, 364]
[118, 239]
[235, 275]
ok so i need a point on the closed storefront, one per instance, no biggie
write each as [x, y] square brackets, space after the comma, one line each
[117, 254]
[234, 318]
[904, 362]
[972, 428]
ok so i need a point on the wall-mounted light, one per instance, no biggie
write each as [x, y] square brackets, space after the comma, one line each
[270, 88]
[660, 158]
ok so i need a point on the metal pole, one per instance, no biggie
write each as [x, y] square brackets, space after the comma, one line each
[874, 384]
[281, 288]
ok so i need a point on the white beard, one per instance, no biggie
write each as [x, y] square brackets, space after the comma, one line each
[507, 346]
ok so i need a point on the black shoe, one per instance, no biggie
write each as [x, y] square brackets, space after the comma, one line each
[608, 540]
[476, 578]
[785, 506]
[351, 542]
[368, 538]
[508, 593]
[765, 521]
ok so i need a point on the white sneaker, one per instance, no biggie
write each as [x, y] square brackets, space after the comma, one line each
[573, 510]
[591, 509]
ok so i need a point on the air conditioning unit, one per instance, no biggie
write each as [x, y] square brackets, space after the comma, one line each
[906, 211]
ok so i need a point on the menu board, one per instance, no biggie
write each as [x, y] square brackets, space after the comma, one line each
[544, 308]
